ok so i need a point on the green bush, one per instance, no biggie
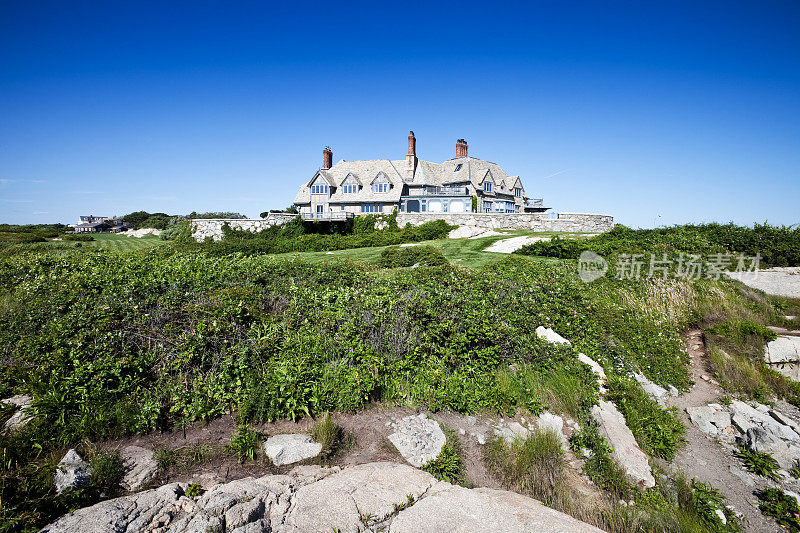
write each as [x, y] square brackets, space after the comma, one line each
[780, 506]
[449, 465]
[657, 430]
[245, 443]
[79, 237]
[395, 257]
[759, 463]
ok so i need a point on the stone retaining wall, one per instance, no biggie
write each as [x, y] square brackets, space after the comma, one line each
[203, 228]
[567, 222]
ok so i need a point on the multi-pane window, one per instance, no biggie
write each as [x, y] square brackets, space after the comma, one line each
[380, 187]
[372, 208]
[487, 186]
[487, 207]
[319, 189]
[350, 188]
[517, 192]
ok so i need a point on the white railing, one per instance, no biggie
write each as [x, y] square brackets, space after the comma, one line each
[329, 216]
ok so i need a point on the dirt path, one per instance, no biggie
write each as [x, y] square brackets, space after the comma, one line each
[703, 458]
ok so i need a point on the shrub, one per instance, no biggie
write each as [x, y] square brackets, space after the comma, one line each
[657, 430]
[81, 237]
[534, 465]
[601, 468]
[780, 506]
[244, 443]
[759, 463]
[448, 466]
[411, 255]
[326, 432]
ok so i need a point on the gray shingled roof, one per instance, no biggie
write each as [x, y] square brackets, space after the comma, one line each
[427, 173]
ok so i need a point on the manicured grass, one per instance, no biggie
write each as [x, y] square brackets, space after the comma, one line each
[107, 241]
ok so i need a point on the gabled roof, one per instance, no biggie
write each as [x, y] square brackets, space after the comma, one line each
[365, 172]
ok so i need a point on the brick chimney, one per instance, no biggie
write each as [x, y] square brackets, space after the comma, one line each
[411, 157]
[461, 148]
[327, 158]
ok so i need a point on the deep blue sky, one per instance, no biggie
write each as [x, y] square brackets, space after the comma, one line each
[688, 110]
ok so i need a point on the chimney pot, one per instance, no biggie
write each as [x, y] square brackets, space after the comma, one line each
[327, 158]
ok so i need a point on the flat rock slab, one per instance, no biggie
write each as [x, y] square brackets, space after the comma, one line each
[140, 467]
[359, 498]
[20, 417]
[290, 448]
[779, 281]
[550, 336]
[784, 349]
[624, 448]
[656, 392]
[711, 419]
[453, 508]
[418, 439]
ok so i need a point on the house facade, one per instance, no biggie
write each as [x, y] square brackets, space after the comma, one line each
[463, 184]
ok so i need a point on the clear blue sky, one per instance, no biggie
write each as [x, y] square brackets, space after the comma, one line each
[688, 110]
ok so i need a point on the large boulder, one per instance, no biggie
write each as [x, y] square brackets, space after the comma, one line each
[72, 472]
[418, 438]
[711, 419]
[625, 450]
[783, 355]
[140, 467]
[374, 496]
[291, 448]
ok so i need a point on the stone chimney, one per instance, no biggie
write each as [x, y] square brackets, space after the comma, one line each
[411, 157]
[461, 148]
[327, 158]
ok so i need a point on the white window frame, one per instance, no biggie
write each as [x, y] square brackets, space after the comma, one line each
[487, 186]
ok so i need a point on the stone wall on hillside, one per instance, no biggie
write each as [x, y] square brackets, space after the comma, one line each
[203, 228]
[568, 222]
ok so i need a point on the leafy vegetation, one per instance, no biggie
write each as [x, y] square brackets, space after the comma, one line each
[777, 245]
[759, 463]
[780, 506]
[326, 432]
[449, 465]
[245, 443]
[657, 430]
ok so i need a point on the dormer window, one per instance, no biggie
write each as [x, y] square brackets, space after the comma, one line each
[380, 187]
[487, 186]
[517, 192]
[350, 188]
[319, 189]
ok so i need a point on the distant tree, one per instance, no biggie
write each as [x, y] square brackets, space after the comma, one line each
[291, 209]
[216, 214]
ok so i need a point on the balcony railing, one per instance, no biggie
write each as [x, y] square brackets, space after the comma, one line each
[439, 191]
[328, 216]
[535, 202]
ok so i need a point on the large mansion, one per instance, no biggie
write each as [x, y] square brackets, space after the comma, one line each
[460, 185]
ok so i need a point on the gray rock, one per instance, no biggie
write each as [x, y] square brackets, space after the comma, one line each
[418, 439]
[550, 422]
[140, 467]
[656, 392]
[72, 472]
[550, 336]
[711, 419]
[290, 448]
[451, 508]
[625, 450]
[764, 441]
[784, 349]
[21, 416]
[511, 431]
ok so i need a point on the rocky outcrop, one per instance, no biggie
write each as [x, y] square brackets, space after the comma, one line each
[140, 467]
[418, 438]
[783, 355]
[290, 448]
[624, 448]
[72, 472]
[550, 336]
[21, 416]
[374, 496]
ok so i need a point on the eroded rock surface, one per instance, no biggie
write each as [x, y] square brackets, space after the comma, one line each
[140, 467]
[418, 438]
[291, 448]
[371, 496]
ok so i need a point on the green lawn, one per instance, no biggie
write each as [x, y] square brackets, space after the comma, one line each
[463, 252]
[105, 241]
